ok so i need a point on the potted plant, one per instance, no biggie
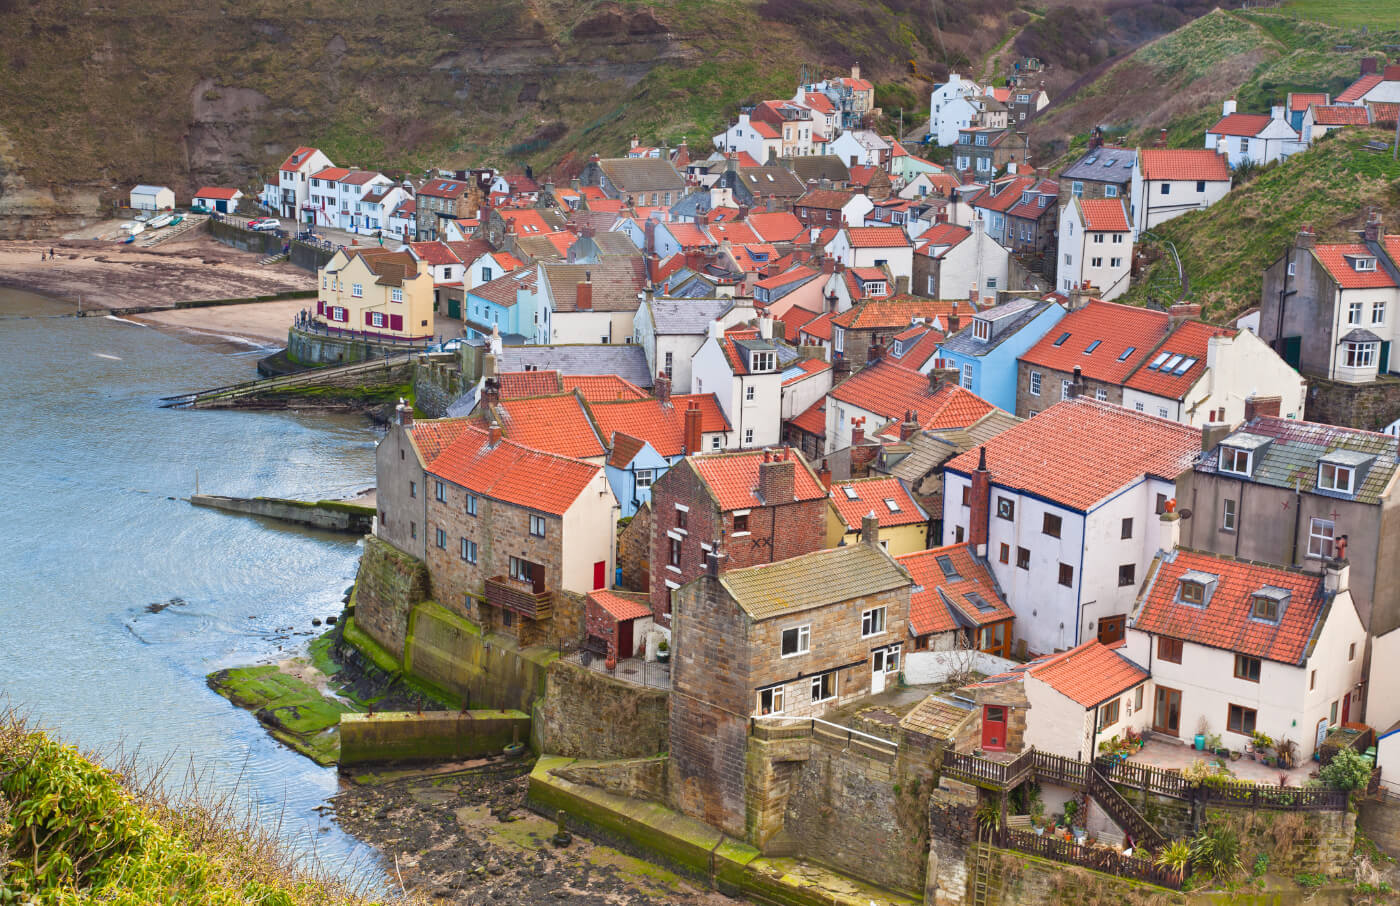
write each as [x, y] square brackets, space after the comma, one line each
[1261, 743]
[1201, 730]
[1287, 753]
[663, 652]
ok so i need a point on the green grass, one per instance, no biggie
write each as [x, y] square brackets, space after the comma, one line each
[1349, 13]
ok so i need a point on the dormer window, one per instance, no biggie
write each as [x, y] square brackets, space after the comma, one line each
[875, 287]
[1235, 461]
[1193, 593]
[762, 361]
[1268, 604]
[1362, 263]
[982, 328]
[1332, 477]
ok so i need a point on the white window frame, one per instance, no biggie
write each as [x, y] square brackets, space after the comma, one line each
[1322, 537]
[1329, 476]
[537, 526]
[1229, 518]
[357, 290]
[1035, 383]
[802, 636]
[1378, 312]
[1064, 388]
[396, 294]
[1360, 355]
[1354, 312]
[872, 622]
[644, 478]
[1230, 460]
[818, 681]
[775, 700]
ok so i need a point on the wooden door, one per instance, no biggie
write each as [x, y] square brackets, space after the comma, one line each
[1111, 629]
[536, 578]
[1346, 708]
[994, 728]
[624, 639]
[600, 575]
[1166, 715]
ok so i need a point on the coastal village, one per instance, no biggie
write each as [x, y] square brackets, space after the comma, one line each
[825, 514]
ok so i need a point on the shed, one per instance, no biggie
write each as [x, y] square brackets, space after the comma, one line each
[153, 198]
[225, 201]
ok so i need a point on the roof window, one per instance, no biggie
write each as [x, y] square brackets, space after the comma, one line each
[892, 504]
[1268, 603]
[1092, 346]
[1171, 363]
[979, 602]
[1185, 366]
[950, 571]
[1157, 362]
[851, 492]
[1061, 340]
[1127, 352]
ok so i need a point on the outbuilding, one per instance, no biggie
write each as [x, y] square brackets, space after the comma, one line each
[152, 198]
[225, 201]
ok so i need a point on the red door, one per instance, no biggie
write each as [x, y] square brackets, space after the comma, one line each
[1346, 708]
[600, 575]
[624, 639]
[994, 728]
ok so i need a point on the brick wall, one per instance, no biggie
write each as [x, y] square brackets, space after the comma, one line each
[1050, 389]
[389, 583]
[634, 551]
[1371, 406]
[587, 714]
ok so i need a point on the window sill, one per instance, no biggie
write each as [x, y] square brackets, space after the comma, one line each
[740, 534]
[674, 569]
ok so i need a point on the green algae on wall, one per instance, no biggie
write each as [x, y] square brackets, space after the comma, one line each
[294, 711]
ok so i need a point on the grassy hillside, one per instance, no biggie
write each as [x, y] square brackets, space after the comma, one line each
[1226, 247]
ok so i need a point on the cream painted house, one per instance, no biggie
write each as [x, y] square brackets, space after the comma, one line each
[1096, 247]
[376, 291]
[903, 524]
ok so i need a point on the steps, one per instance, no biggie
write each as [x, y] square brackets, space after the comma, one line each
[275, 259]
[191, 221]
[1122, 811]
[986, 875]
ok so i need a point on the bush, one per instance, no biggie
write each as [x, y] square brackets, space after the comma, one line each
[1176, 855]
[1346, 771]
[1217, 853]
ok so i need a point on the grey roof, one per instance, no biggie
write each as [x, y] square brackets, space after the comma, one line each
[1360, 335]
[819, 166]
[691, 316]
[149, 190]
[814, 580]
[1294, 448]
[771, 181]
[930, 449]
[687, 284]
[693, 205]
[626, 360]
[1103, 165]
[1007, 318]
[642, 174]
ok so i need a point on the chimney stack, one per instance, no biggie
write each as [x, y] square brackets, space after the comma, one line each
[1228, 107]
[1257, 406]
[1161, 141]
[494, 432]
[1369, 65]
[875, 353]
[980, 499]
[714, 562]
[1076, 384]
[584, 298]
[1182, 312]
[661, 388]
[490, 393]
[870, 529]
[1336, 571]
[824, 475]
[777, 478]
[1170, 523]
[694, 436]
[1306, 238]
[857, 431]
[910, 426]
[1212, 434]
[954, 319]
[943, 372]
[1372, 232]
[403, 414]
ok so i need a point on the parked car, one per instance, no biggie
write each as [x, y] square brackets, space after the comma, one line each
[264, 224]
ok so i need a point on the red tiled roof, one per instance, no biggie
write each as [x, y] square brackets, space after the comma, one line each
[660, 425]
[776, 226]
[1341, 115]
[1105, 215]
[1183, 163]
[1384, 112]
[331, 174]
[899, 312]
[1190, 341]
[1333, 257]
[1090, 674]
[297, 158]
[557, 424]
[512, 473]
[620, 607]
[889, 390]
[858, 84]
[939, 238]
[833, 199]
[721, 212]
[818, 102]
[625, 449]
[1302, 100]
[733, 478]
[434, 253]
[809, 367]
[602, 388]
[359, 177]
[877, 237]
[871, 494]
[862, 174]
[925, 343]
[1116, 328]
[786, 277]
[216, 192]
[867, 288]
[929, 611]
[526, 221]
[520, 384]
[445, 188]
[1356, 90]
[1225, 621]
[792, 320]
[1079, 451]
[1243, 124]
[737, 233]
[763, 129]
[1003, 194]
[812, 419]
[819, 328]
[689, 235]
[432, 437]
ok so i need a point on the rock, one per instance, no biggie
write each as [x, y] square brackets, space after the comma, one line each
[315, 621]
[495, 867]
[330, 620]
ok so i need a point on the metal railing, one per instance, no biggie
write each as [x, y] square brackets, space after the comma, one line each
[775, 726]
[289, 380]
[638, 671]
[1097, 858]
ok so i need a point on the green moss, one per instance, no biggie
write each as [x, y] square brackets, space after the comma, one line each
[371, 649]
[294, 711]
[320, 653]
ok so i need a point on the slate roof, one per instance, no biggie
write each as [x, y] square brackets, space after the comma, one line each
[889, 390]
[690, 316]
[1113, 165]
[961, 595]
[733, 478]
[1080, 451]
[819, 167]
[870, 495]
[1007, 319]
[616, 281]
[771, 180]
[1184, 163]
[813, 580]
[556, 424]
[1296, 447]
[1225, 619]
[642, 174]
[1185, 346]
[626, 360]
[661, 425]
[512, 473]
[1090, 674]
[1125, 335]
[619, 606]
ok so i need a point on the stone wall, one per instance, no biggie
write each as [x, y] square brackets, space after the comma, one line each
[436, 385]
[951, 811]
[309, 257]
[308, 347]
[635, 778]
[330, 515]
[389, 584]
[1016, 879]
[1380, 820]
[1311, 842]
[428, 736]
[634, 551]
[255, 241]
[453, 655]
[588, 714]
[1371, 406]
[1052, 388]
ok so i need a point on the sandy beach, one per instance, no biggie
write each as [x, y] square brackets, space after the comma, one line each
[264, 323]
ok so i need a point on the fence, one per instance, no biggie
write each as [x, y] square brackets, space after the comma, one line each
[1096, 858]
[802, 727]
[635, 670]
[308, 324]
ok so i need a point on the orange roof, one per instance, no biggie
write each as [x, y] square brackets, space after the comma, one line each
[216, 192]
[812, 419]
[1105, 215]
[1187, 344]
[1080, 451]
[689, 235]
[941, 599]
[1358, 89]
[561, 240]
[776, 226]
[940, 237]
[662, 426]
[1341, 115]
[786, 277]
[1383, 112]
[512, 473]
[1003, 194]
[557, 424]
[431, 437]
[1303, 100]
[1333, 257]
[763, 129]
[519, 384]
[1244, 124]
[854, 500]
[737, 233]
[1105, 339]
[434, 253]
[919, 345]
[297, 158]
[808, 367]
[733, 478]
[526, 221]
[889, 390]
[602, 388]
[1183, 163]
[876, 237]
[1090, 674]
[618, 606]
[819, 328]
[898, 312]
[1225, 620]
[818, 102]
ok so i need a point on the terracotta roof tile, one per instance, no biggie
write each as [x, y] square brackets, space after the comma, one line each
[297, 158]
[1341, 115]
[819, 328]
[602, 388]
[619, 606]
[804, 368]
[832, 199]
[432, 436]
[1004, 194]
[1225, 621]
[625, 448]
[884, 314]
[519, 384]
[940, 600]
[876, 237]
[733, 478]
[1090, 674]
[1188, 343]
[512, 473]
[434, 253]
[1125, 335]
[1080, 451]
[1105, 215]
[1247, 125]
[556, 424]
[690, 235]
[1183, 163]
[871, 494]
[890, 390]
[1356, 90]
[660, 425]
[939, 238]
[1333, 257]
[737, 233]
[1300, 101]
[776, 226]
[216, 192]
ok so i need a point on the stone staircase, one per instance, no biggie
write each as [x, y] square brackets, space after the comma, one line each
[191, 222]
[1122, 811]
[275, 259]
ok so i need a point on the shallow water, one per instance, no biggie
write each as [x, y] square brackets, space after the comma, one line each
[93, 473]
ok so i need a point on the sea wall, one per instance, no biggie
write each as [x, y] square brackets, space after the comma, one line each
[388, 586]
[587, 714]
[428, 736]
[331, 515]
[307, 347]
[437, 383]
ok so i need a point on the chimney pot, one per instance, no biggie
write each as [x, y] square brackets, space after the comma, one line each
[661, 387]
[694, 436]
[404, 413]
[824, 475]
[870, 529]
[777, 479]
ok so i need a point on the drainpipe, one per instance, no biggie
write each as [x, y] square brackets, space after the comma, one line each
[1297, 519]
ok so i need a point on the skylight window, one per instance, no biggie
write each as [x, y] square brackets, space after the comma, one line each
[950, 572]
[1171, 363]
[1157, 362]
[1092, 346]
[1061, 340]
[979, 602]
[1185, 366]
[1127, 352]
[892, 504]
[851, 493]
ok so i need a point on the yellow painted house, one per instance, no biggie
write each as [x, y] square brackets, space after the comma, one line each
[903, 523]
[378, 292]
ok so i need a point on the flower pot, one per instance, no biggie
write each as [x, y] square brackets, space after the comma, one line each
[663, 657]
[1200, 742]
[611, 662]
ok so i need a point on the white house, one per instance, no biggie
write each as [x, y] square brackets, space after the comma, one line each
[744, 370]
[1096, 246]
[1203, 374]
[152, 198]
[761, 140]
[350, 191]
[1253, 137]
[1239, 647]
[374, 209]
[886, 246]
[671, 331]
[861, 147]
[1374, 87]
[402, 221]
[951, 258]
[950, 108]
[1169, 182]
[589, 303]
[1320, 119]
[225, 201]
[1064, 507]
[488, 266]
[290, 196]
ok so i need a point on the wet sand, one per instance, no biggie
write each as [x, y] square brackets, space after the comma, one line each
[264, 323]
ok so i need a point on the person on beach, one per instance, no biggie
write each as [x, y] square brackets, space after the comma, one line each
[41, 255]
[51, 255]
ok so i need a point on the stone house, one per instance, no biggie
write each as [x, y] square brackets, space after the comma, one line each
[1064, 508]
[1283, 491]
[1032, 222]
[763, 506]
[1103, 172]
[635, 181]
[873, 323]
[460, 197]
[986, 151]
[400, 463]
[956, 602]
[793, 639]
[617, 623]
[949, 260]
[825, 207]
[1065, 703]
[375, 292]
[902, 523]
[887, 397]
[1243, 647]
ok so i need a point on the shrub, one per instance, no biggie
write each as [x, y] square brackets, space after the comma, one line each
[1346, 771]
[1217, 853]
[1176, 855]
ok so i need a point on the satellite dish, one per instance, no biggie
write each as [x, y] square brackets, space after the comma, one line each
[1186, 513]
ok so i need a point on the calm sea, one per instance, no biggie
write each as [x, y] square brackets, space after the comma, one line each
[93, 474]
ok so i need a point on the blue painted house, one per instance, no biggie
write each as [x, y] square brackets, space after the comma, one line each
[631, 468]
[506, 303]
[985, 351]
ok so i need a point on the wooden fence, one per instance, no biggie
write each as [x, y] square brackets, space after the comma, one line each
[1096, 858]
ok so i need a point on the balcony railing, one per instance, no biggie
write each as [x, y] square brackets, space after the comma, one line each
[517, 597]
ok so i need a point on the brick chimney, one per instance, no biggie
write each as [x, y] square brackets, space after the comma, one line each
[490, 393]
[1076, 384]
[954, 319]
[870, 529]
[824, 475]
[943, 372]
[494, 432]
[1256, 406]
[777, 477]
[1306, 238]
[1372, 230]
[1391, 73]
[1369, 65]
[910, 426]
[694, 437]
[857, 431]
[1161, 141]
[828, 264]
[584, 299]
[1182, 312]
[980, 499]
[661, 388]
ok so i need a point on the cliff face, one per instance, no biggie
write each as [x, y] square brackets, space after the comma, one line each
[96, 95]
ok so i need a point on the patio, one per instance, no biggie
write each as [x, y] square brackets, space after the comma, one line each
[633, 670]
[1175, 756]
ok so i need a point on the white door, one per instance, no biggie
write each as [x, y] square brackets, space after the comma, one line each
[1321, 732]
[877, 671]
